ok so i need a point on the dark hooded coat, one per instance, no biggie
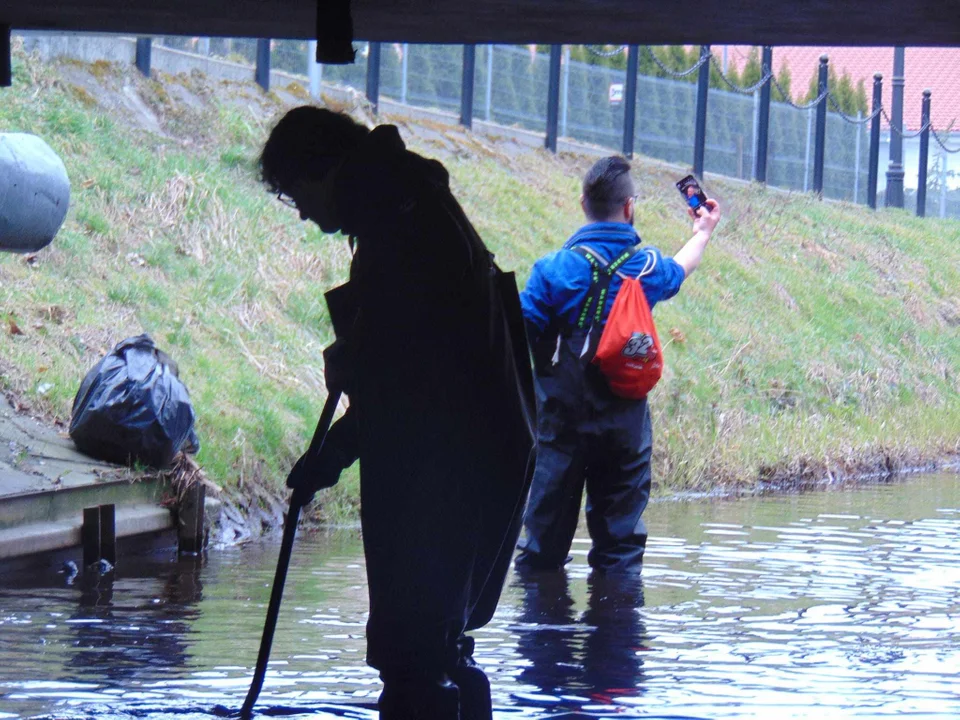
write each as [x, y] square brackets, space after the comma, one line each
[441, 415]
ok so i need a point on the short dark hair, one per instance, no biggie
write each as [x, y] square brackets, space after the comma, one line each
[303, 143]
[606, 187]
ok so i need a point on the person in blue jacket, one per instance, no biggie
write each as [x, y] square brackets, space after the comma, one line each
[590, 438]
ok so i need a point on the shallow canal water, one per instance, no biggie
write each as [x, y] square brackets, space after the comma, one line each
[837, 604]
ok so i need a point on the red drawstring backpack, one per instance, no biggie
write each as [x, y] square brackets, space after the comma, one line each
[628, 353]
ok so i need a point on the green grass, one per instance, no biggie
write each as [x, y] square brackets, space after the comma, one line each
[816, 337]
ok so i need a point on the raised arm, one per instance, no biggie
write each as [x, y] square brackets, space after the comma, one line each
[690, 254]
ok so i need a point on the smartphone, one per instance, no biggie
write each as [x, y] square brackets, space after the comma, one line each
[692, 193]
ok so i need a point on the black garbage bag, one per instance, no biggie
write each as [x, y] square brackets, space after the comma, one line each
[132, 407]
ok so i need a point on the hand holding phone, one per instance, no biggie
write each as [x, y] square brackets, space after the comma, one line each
[692, 194]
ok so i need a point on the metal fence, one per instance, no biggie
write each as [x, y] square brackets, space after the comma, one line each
[511, 85]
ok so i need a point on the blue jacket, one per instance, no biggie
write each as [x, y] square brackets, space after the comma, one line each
[559, 282]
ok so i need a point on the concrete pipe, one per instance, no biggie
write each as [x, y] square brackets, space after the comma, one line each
[34, 193]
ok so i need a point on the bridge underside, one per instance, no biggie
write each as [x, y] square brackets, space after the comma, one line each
[755, 22]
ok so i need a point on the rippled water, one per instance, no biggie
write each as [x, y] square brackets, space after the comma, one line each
[841, 604]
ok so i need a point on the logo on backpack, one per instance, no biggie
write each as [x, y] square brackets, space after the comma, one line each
[639, 346]
[628, 352]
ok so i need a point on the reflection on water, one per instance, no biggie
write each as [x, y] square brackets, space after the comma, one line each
[826, 605]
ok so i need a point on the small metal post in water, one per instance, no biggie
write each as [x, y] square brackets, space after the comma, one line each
[924, 155]
[819, 148]
[874, 169]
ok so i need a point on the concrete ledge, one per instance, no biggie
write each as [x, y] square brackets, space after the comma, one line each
[62, 534]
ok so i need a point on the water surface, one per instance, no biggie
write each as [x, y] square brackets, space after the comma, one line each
[837, 604]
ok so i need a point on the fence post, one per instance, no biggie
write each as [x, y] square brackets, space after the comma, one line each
[489, 93]
[700, 128]
[466, 85]
[203, 46]
[142, 61]
[821, 135]
[924, 155]
[856, 158]
[314, 70]
[403, 74]
[895, 169]
[262, 72]
[943, 182]
[373, 75]
[6, 59]
[630, 100]
[874, 169]
[763, 126]
[553, 99]
[565, 91]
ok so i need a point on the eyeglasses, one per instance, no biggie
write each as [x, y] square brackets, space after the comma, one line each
[635, 198]
[286, 200]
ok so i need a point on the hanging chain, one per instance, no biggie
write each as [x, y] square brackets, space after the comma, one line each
[942, 143]
[704, 57]
[767, 76]
[901, 133]
[786, 96]
[604, 53]
[849, 118]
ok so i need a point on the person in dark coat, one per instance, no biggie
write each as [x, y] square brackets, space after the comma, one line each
[432, 354]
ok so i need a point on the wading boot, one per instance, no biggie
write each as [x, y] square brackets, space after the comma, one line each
[419, 698]
[475, 702]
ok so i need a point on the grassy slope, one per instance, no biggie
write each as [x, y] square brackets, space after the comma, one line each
[816, 337]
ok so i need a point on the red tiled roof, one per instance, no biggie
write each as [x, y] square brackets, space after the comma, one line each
[934, 69]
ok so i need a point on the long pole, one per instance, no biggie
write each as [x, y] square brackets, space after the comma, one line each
[283, 562]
